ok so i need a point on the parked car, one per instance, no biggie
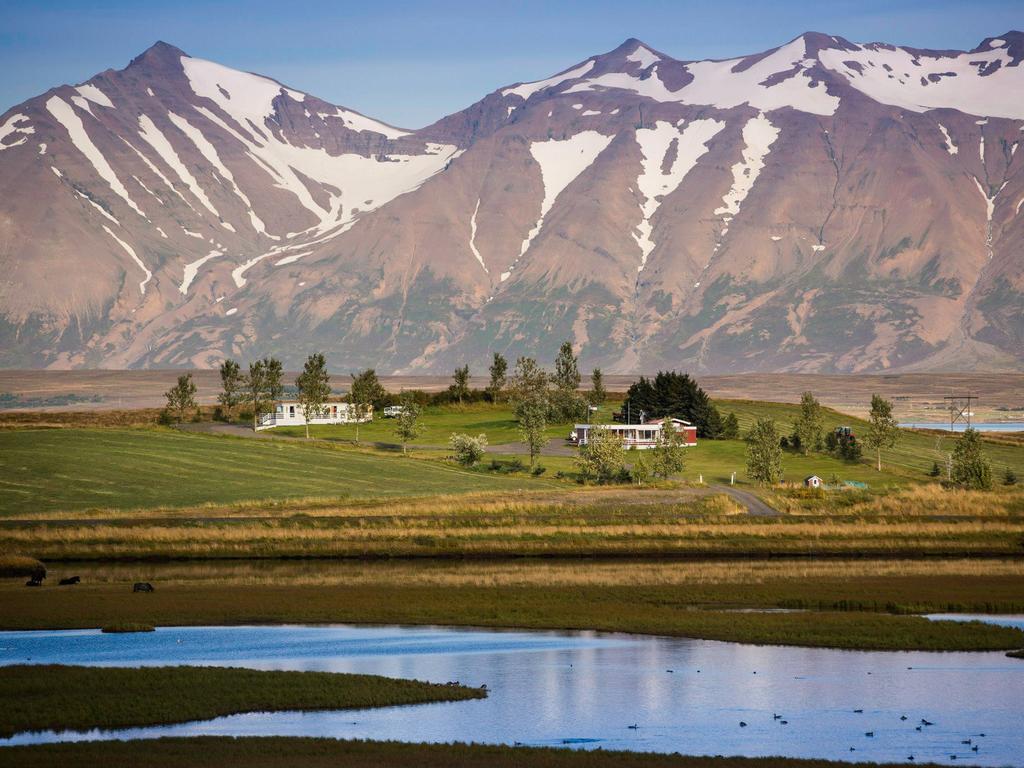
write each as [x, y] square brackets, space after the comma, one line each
[393, 411]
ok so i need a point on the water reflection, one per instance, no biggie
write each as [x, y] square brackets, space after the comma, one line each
[584, 690]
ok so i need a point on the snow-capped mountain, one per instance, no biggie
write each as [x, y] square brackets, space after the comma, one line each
[821, 206]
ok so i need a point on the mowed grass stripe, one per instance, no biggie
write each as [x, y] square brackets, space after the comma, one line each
[75, 469]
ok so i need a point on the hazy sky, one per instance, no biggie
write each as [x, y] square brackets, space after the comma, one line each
[409, 63]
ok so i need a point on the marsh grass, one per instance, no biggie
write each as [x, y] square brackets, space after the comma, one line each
[127, 627]
[61, 697]
[859, 613]
[285, 752]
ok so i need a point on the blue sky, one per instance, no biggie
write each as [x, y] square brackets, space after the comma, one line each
[409, 63]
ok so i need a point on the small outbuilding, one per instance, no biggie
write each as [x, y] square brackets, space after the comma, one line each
[813, 481]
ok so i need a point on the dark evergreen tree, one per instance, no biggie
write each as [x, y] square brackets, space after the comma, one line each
[672, 394]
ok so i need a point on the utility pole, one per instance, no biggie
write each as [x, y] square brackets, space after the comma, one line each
[960, 409]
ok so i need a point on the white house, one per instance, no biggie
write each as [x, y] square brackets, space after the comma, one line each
[813, 481]
[646, 435]
[289, 412]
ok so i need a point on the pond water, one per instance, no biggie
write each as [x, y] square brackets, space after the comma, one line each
[982, 426]
[586, 690]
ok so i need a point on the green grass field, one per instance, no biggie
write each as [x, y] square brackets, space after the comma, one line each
[439, 422]
[42, 697]
[75, 469]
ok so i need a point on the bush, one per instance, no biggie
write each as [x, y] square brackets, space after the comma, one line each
[538, 470]
[197, 416]
[165, 419]
[245, 416]
[934, 471]
[468, 450]
[1009, 477]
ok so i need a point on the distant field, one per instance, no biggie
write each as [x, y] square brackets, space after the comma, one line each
[918, 395]
[74, 469]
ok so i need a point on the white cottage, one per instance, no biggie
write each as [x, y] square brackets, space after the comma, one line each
[646, 435]
[289, 413]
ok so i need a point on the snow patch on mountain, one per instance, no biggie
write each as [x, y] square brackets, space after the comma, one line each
[10, 128]
[561, 161]
[909, 80]
[643, 56]
[758, 136]
[472, 237]
[358, 122]
[653, 183]
[102, 211]
[135, 258]
[950, 146]
[526, 90]
[72, 123]
[95, 95]
[210, 153]
[162, 146]
[192, 269]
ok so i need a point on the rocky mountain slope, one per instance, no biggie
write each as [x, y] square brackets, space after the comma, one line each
[823, 206]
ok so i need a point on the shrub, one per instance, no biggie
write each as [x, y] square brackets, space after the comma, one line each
[245, 416]
[165, 419]
[1009, 477]
[934, 471]
[468, 450]
[538, 470]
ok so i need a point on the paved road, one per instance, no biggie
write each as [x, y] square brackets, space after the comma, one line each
[755, 506]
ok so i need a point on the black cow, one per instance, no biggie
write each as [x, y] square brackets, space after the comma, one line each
[34, 582]
[142, 586]
[70, 580]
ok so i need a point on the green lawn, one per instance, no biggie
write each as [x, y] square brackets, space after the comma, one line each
[439, 422]
[75, 469]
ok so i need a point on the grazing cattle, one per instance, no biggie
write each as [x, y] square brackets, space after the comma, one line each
[34, 582]
[65, 582]
[142, 586]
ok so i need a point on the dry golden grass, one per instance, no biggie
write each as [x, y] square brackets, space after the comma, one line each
[519, 573]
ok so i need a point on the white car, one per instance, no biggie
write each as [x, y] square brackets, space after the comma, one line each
[393, 411]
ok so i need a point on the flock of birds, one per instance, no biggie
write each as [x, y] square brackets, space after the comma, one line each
[868, 734]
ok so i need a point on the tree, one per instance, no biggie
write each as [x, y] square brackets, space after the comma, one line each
[528, 380]
[567, 370]
[672, 394]
[530, 404]
[232, 382]
[255, 389]
[460, 385]
[498, 371]
[641, 468]
[971, 467]
[764, 456]
[366, 389]
[597, 391]
[314, 385]
[808, 427]
[274, 382]
[667, 457]
[468, 450]
[601, 458]
[182, 396]
[407, 426]
[883, 431]
[731, 427]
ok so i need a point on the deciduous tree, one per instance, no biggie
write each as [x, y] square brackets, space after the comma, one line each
[460, 383]
[314, 385]
[255, 389]
[232, 383]
[407, 425]
[883, 431]
[971, 467]
[668, 456]
[468, 450]
[367, 389]
[602, 457]
[808, 427]
[764, 456]
[499, 372]
[182, 396]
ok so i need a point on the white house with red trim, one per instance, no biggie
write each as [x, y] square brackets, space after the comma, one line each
[646, 435]
[289, 413]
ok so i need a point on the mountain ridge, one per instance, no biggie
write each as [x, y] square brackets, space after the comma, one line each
[806, 208]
